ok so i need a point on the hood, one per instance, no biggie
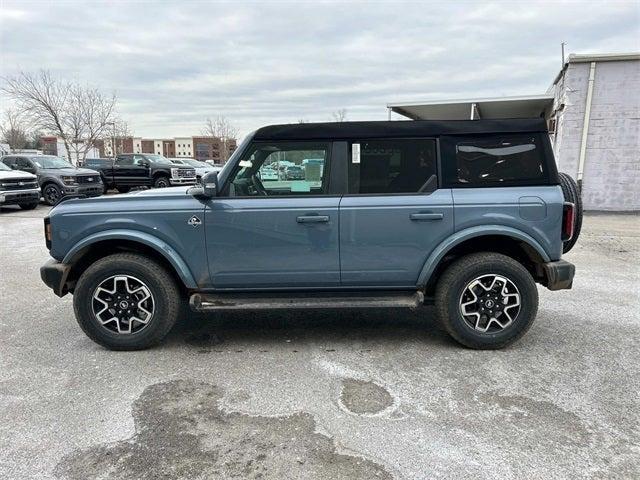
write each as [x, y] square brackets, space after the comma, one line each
[70, 171]
[139, 200]
[4, 175]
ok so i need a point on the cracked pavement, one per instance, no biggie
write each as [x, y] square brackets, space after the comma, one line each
[334, 394]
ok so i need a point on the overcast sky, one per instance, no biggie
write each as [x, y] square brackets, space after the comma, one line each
[174, 63]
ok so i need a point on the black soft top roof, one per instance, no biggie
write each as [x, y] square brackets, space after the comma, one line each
[398, 128]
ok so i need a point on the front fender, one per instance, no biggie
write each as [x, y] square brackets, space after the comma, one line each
[463, 235]
[158, 245]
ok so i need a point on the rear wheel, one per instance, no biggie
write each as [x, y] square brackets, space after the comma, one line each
[126, 301]
[486, 300]
[161, 182]
[572, 194]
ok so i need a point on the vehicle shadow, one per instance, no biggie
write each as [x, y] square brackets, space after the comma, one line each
[222, 331]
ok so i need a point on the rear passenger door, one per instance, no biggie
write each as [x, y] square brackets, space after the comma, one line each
[394, 214]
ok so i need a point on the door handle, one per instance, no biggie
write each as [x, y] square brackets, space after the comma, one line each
[422, 217]
[312, 219]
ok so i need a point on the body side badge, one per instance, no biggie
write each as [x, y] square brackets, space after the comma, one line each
[194, 221]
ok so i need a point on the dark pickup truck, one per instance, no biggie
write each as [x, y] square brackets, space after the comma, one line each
[140, 170]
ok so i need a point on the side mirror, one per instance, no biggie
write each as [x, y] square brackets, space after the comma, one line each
[210, 184]
[145, 164]
[209, 187]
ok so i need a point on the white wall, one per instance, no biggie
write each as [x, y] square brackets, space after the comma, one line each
[184, 147]
[611, 178]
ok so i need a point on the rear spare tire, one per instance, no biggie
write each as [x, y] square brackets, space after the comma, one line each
[572, 194]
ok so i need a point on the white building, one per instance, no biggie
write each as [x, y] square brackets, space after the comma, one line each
[596, 115]
[593, 112]
[184, 146]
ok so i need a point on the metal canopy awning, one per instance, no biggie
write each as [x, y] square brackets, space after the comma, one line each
[472, 109]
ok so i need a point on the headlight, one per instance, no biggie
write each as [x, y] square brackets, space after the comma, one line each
[174, 173]
[68, 180]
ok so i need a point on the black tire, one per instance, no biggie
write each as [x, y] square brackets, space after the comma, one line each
[51, 193]
[123, 189]
[572, 194]
[163, 288]
[28, 206]
[452, 285]
[161, 181]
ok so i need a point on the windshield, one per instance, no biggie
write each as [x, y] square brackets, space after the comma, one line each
[195, 163]
[51, 162]
[158, 159]
[3, 166]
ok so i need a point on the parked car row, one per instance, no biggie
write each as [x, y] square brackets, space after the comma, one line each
[24, 179]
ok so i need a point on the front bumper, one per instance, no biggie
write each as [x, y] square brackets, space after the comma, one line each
[559, 275]
[94, 190]
[183, 181]
[54, 274]
[16, 197]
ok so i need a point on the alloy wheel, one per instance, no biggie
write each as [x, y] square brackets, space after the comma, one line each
[123, 304]
[490, 303]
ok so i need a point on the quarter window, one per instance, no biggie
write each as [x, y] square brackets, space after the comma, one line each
[280, 169]
[494, 160]
[392, 166]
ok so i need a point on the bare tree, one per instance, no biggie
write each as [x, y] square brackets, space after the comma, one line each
[117, 133]
[76, 114]
[340, 115]
[13, 130]
[222, 129]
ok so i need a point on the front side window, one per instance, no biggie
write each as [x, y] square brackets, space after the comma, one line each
[392, 166]
[278, 169]
[494, 160]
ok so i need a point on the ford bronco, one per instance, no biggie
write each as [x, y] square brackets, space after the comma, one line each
[467, 215]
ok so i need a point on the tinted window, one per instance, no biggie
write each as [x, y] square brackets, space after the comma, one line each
[276, 169]
[124, 160]
[495, 160]
[392, 166]
[23, 163]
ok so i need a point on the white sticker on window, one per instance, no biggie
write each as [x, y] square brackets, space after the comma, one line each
[355, 153]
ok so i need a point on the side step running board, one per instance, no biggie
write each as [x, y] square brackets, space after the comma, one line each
[200, 302]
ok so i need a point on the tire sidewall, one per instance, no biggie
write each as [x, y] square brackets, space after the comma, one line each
[158, 180]
[83, 298]
[47, 188]
[528, 299]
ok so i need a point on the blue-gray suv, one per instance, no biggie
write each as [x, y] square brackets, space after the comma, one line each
[468, 215]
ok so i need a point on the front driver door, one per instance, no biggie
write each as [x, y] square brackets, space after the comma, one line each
[263, 231]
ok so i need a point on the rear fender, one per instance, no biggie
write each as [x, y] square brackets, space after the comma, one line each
[480, 231]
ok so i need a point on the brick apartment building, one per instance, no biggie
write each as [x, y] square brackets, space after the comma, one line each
[200, 148]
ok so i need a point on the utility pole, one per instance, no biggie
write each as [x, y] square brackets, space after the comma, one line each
[562, 47]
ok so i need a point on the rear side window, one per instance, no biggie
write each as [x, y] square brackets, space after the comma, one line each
[392, 166]
[494, 160]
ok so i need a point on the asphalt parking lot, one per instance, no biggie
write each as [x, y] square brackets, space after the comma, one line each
[335, 394]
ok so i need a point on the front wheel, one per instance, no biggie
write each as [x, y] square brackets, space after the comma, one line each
[51, 194]
[28, 206]
[126, 301]
[161, 182]
[486, 300]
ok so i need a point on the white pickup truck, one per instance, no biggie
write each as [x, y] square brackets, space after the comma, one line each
[18, 188]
